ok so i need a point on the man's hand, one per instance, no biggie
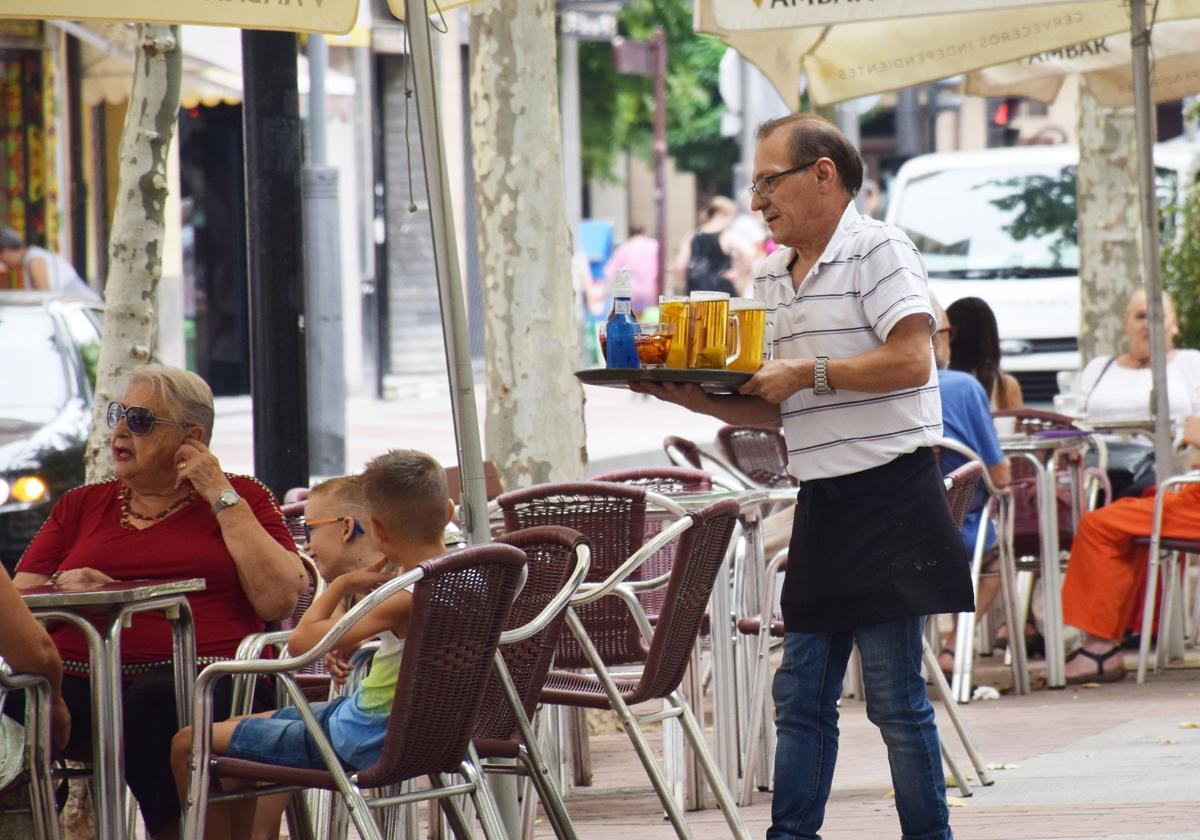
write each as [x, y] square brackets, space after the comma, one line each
[778, 379]
[683, 394]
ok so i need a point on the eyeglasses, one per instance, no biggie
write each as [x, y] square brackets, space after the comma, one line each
[950, 332]
[139, 419]
[763, 187]
[311, 524]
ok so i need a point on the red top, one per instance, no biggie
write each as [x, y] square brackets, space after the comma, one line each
[84, 529]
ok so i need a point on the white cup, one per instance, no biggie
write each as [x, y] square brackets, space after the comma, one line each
[1006, 427]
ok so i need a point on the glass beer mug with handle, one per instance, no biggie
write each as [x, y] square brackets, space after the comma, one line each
[709, 327]
[751, 316]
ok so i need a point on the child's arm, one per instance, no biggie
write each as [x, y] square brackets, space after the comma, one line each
[391, 615]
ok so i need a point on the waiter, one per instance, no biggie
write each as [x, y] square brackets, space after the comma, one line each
[874, 549]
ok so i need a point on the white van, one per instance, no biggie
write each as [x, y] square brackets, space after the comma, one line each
[1000, 224]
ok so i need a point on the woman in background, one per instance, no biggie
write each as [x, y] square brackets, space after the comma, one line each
[975, 349]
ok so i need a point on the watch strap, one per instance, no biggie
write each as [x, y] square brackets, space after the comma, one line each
[821, 385]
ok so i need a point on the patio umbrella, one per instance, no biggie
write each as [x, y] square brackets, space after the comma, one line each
[332, 17]
[852, 49]
[1103, 66]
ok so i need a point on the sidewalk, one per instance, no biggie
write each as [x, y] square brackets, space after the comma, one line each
[1110, 763]
[623, 429]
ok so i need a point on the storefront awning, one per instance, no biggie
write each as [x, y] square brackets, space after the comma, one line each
[212, 64]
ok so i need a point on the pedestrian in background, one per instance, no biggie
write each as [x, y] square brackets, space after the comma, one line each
[713, 257]
[43, 271]
[639, 254]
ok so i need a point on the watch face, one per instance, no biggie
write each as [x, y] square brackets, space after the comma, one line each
[228, 498]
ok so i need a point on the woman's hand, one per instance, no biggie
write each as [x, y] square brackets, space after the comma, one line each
[60, 723]
[196, 465]
[79, 578]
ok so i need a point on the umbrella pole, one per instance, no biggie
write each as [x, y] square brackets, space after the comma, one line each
[445, 255]
[1151, 267]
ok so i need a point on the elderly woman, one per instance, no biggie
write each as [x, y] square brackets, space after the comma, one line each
[172, 512]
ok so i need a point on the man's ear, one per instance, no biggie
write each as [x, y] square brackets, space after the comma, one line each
[349, 528]
[378, 533]
[450, 508]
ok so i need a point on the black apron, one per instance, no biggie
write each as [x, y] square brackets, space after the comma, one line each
[875, 546]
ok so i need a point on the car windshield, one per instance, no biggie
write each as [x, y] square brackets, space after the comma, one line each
[33, 378]
[981, 220]
[999, 221]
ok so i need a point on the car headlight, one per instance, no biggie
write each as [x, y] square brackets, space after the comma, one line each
[27, 488]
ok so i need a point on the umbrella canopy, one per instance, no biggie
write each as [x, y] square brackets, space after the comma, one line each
[1103, 65]
[334, 17]
[849, 50]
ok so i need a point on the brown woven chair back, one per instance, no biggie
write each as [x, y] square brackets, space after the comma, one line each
[760, 454]
[458, 611]
[963, 482]
[613, 518]
[685, 448]
[551, 553]
[701, 552]
[667, 481]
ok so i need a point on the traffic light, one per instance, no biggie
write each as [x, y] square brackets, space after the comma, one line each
[1001, 113]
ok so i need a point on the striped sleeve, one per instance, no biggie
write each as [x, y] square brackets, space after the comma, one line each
[892, 283]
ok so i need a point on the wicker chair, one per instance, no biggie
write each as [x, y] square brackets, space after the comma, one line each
[686, 453]
[758, 453]
[558, 560]
[460, 603]
[704, 537]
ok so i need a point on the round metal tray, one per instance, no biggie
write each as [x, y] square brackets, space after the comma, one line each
[712, 381]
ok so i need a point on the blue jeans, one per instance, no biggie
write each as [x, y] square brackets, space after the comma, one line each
[806, 691]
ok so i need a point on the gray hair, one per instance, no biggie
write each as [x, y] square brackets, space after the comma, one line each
[10, 240]
[184, 391]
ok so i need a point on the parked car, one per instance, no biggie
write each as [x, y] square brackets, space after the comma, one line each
[1000, 224]
[49, 346]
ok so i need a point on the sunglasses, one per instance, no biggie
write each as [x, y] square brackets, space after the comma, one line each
[311, 524]
[138, 419]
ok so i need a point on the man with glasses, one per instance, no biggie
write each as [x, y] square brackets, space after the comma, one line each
[874, 548]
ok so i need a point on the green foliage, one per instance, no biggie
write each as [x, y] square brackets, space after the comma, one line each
[1181, 267]
[617, 111]
[1045, 206]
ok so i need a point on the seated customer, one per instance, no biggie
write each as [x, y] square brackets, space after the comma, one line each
[1105, 572]
[28, 649]
[407, 509]
[169, 512]
[975, 349]
[966, 418]
[1118, 388]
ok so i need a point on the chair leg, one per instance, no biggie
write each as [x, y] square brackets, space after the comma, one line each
[552, 803]
[758, 696]
[1148, 605]
[360, 814]
[460, 827]
[299, 820]
[1194, 624]
[943, 691]
[485, 805]
[959, 779]
[716, 781]
[579, 747]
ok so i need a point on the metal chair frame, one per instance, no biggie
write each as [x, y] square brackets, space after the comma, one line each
[195, 806]
[37, 749]
[1171, 617]
[997, 507]
[529, 754]
[675, 705]
[685, 453]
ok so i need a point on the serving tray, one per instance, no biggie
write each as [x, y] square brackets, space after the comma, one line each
[712, 381]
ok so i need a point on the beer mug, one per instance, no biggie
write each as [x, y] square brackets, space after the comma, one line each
[751, 316]
[709, 325]
[673, 309]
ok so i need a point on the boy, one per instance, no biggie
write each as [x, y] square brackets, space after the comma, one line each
[407, 507]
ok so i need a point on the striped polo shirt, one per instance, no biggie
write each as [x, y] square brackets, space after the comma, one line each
[869, 277]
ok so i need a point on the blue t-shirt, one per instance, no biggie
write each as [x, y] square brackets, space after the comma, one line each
[967, 419]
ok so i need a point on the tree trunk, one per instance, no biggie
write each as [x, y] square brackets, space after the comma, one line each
[135, 246]
[1109, 224]
[534, 425]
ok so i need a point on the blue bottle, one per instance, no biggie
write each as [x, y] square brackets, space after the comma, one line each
[622, 326]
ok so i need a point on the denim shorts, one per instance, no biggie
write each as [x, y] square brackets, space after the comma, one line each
[281, 739]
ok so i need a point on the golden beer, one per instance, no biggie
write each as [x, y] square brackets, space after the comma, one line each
[708, 326]
[673, 309]
[751, 316]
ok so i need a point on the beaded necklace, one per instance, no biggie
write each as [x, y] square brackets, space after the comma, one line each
[128, 514]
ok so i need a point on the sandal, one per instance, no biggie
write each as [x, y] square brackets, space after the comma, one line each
[1102, 675]
[948, 671]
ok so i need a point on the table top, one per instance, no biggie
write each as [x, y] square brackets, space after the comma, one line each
[108, 594]
[1042, 442]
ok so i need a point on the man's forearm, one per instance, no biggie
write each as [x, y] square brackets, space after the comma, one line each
[737, 410]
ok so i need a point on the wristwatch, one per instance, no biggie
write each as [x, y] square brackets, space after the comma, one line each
[821, 385]
[227, 499]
